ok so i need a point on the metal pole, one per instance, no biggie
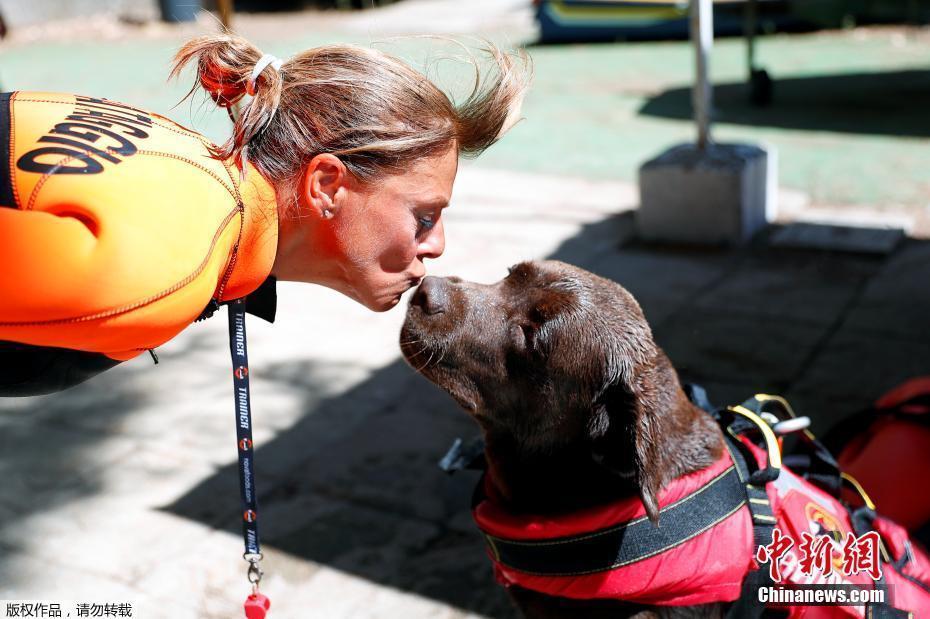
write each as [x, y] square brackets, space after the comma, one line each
[702, 34]
[750, 25]
[226, 10]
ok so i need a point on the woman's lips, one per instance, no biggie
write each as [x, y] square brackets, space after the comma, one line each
[413, 282]
[410, 282]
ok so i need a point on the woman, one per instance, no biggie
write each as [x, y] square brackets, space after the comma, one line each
[119, 228]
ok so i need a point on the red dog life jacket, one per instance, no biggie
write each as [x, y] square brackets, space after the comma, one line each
[703, 550]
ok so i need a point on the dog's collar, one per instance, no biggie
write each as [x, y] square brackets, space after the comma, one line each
[546, 547]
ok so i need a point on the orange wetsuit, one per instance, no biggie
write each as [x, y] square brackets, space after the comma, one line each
[117, 231]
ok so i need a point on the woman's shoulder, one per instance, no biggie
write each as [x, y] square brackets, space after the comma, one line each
[59, 133]
[60, 106]
[106, 151]
[143, 222]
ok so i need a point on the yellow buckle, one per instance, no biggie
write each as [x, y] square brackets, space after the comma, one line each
[771, 441]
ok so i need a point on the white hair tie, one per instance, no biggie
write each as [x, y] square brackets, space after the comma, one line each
[263, 62]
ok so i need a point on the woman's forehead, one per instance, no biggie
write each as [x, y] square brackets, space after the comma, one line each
[429, 180]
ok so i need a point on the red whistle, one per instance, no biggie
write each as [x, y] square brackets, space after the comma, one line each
[256, 606]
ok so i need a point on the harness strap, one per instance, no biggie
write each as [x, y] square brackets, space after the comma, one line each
[748, 605]
[628, 542]
[862, 522]
[753, 479]
[734, 421]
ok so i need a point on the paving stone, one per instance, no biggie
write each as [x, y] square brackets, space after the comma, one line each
[36, 579]
[722, 346]
[897, 300]
[661, 279]
[856, 368]
[43, 460]
[117, 539]
[498, 218]
[212, 573]
[332, 593]
[802, 286]
[420, 427]
[417, 556]
[860, 239]
[209, 572]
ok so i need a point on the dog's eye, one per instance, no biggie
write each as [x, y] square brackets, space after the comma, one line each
[519, 273]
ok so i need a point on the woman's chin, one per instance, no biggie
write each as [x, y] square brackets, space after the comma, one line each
[383, 304]
[387, 298]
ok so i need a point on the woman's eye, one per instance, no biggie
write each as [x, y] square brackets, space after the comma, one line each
[425, 223]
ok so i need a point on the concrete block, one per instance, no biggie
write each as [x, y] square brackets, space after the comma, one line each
[720, 195]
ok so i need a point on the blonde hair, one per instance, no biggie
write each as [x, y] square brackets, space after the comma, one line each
[365, 106]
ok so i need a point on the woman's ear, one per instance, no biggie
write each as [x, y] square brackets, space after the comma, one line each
[323, 179]
[624, 430]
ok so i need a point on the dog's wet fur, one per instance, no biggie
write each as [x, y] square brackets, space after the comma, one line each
[577, 404]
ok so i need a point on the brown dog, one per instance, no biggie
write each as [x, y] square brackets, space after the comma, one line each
[577, 404]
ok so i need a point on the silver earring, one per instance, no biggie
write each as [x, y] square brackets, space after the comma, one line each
[327, 213]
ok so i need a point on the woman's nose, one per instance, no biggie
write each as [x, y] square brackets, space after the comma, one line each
[435, 242]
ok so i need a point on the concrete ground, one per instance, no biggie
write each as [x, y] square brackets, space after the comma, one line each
[125, 489]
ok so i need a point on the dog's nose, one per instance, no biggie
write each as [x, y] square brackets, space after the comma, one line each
[432, 296]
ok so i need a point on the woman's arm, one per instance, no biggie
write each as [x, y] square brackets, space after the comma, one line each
[66, 283]
[45, 261]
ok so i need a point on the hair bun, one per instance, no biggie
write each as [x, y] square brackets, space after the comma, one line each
[228, 68]
[268, 60]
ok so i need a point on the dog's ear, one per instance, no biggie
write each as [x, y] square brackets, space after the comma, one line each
[624, 429]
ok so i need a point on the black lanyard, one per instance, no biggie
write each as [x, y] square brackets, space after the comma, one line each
[240, 364]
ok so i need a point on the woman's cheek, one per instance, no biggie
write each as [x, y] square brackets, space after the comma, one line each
[400, 252]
